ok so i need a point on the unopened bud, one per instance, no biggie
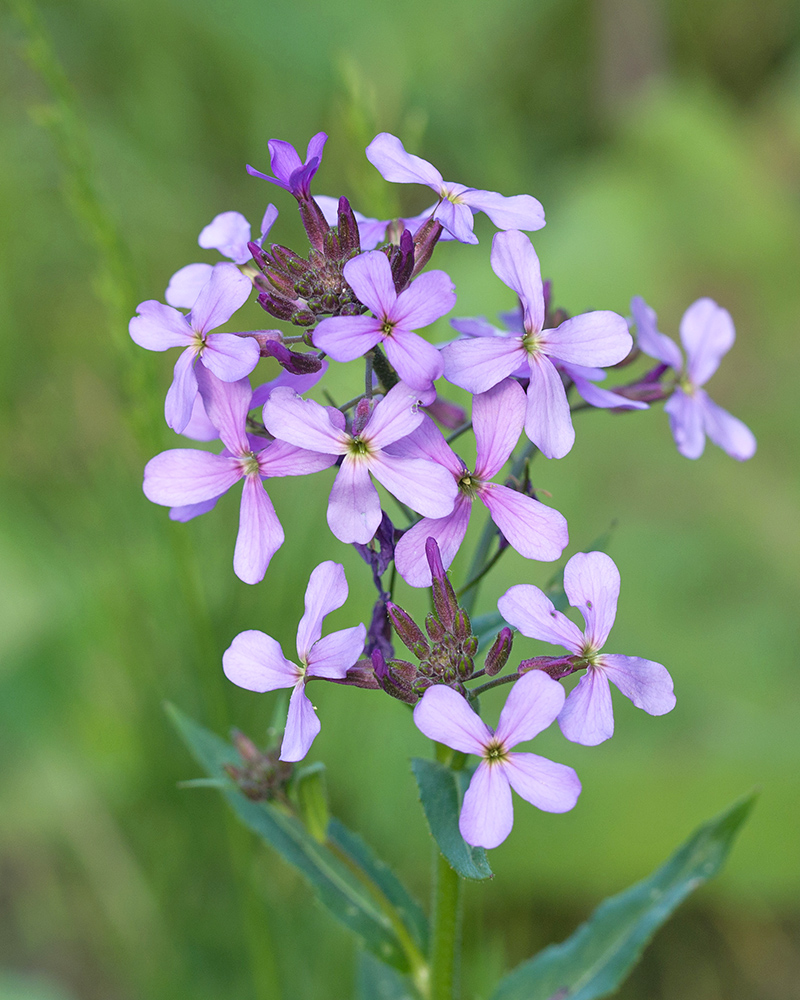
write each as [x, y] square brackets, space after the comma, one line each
[349, 237]
[498, 655]
[465, 667]
[425, 239]
[462, 629]
[363, 412]
[434, 628]
[314, 223]
[303, 318]
[444, 597]
[401, 259]
[407, 629]
[555, 666]
[279, 308]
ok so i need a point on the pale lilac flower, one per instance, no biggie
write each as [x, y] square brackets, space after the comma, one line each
[457, 202]
[255, 661]
[191, 481]
[591, 583]
[229, 233]
[289, 171]
[592, 339]
[354, 510]
[532, 704]
[707, 334]
[228, 356]
[373, 232]
[394, 319]
[533, 529]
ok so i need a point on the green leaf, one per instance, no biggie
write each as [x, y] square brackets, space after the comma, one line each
[343, 887]
[601, 953]
[376, 981]
[441, 791]
[311, 795]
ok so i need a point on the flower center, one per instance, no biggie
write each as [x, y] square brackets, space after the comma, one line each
[198, 342]
[532, 342]
[387, 327]
[495, 752]
[448, 194]
[358, 446]
[249, 463]
[468, 484]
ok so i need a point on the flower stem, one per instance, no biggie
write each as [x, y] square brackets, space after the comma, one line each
[445, 958]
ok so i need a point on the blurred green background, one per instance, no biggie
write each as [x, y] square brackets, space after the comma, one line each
[664, 141]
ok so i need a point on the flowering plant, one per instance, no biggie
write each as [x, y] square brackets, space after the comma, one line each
[362, 294]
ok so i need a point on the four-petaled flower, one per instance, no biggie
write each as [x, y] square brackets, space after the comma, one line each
[229, 356]
[255, 661]
[457, 202]
[532, 704]
[594, 338]
[591, 583]
[354, 509]
[707, 334]
[394, 319]
[533, 529]
[289, 171]
[191, 481]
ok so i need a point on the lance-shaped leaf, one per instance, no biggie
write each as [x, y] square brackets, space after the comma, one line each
[342, 871]
[441, 791]
[375, 981]
[601, 953]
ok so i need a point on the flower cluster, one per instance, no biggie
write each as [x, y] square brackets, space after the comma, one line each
[362, 293]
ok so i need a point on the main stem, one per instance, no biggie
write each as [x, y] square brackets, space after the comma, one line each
[446, 919]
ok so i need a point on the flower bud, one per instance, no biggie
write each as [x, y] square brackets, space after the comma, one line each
[555, 666]
[462, 629]
[314, 223]
[407, 629]
[425, 239]
[498, 655]
[434, 628]
[349, 236]
[444, 597]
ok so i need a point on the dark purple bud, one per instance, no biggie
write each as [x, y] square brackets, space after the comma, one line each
[555, 666]
[465, 667]
[302, 317]
[261, 258]
[379, 664]
[279, 308]
[379, 633]
[425, 239]
[498, 655]
[379, 552]
[361, 674]
[363, 412]
[401, 259]
[470, 646]
[398, 680]
[313, 222]
[297, 364]
[462, 628]
[291, 262]
[434, 628]
[444, 598]
[333, 248]
[647, 389]
[407, 629]
[349, 236]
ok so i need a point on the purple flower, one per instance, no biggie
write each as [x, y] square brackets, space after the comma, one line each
[707, 334]
[228, 356]
[229, 233]
[534, 530]
[394, 319]
[591, 582]
[255, 661]
[354, 510]
[289, 172]
[457, 202]
[532, 705]
[595, 338]
[191, 481]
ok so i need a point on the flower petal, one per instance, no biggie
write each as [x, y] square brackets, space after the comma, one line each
[646, 683]
[533, 704]
[650, 340]
[449, 531]
[260, 533]
[529, 610]
[159, 327]
[346, 338]
[303, 422]
[427, 441]
[334, 654]
[226, 404]
[725, 430]
[685, 414]
[707, 333]
[480, 363]
[497, 418]
[457, 220]
[547, 418]
[593, 338]
[185, 285]
[443, 715]
[549, 786]
[187, 476]
[326, 591]
[370, 277]
[226, 291]
[255, 661]
[279, 458]
[487, 814]
[186, 512]
[602, 398]
[302, 726]
[229, 356]
[200, 427]
[387, 154]
[228, 232]
[427, 488]
[354, 510]
[519, 211]
[591, 582]
[182, 392]
[417, 362]
[587, 716]
[515, 263]
[394, 417]
[532, 528]
[426, 299]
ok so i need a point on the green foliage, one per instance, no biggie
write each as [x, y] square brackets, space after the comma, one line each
[601, 953]
[441, 791]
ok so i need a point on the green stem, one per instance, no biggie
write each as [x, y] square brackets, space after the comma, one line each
[473, 693]
[476, 579]
[446, 920]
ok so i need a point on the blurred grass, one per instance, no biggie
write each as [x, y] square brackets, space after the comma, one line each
[669, 184]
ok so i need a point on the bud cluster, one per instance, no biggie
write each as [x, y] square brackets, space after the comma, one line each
[263, 777]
